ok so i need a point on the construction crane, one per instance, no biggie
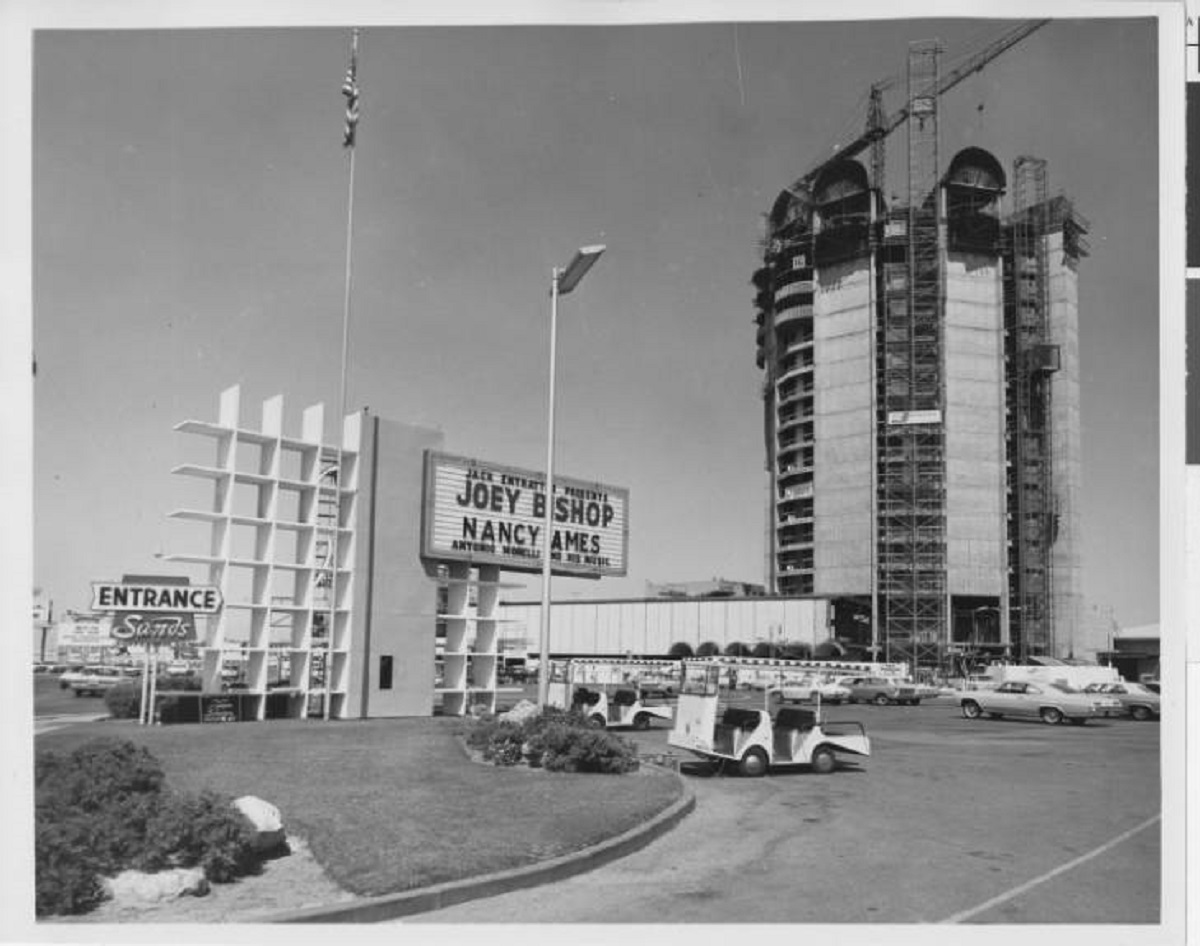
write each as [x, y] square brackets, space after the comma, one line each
[879, 126]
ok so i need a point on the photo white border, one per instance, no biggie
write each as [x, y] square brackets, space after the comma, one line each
[18, 20]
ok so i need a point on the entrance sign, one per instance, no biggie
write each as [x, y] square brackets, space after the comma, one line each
[154, 610]
[487, 514]
[185, 599]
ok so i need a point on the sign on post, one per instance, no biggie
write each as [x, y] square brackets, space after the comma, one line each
[153, 610]
[487, 514]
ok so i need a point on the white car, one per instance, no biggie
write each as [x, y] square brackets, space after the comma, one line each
[1050, 702]
[99, 680]
[1138, 701]
[73, 675]
[807, 690]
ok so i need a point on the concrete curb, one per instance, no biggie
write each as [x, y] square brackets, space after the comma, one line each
[425, 899]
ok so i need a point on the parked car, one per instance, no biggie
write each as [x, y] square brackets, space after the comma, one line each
[880, 691]
[926, 691]
[1049, 702]
[807, 689]
[99, 680]
[72, 673]
[1139, 701]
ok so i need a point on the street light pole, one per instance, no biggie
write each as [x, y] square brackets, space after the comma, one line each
[562, 281]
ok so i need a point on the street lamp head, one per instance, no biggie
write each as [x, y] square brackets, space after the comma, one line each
[584, 257]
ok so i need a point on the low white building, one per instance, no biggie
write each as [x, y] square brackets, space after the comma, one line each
[650, 626]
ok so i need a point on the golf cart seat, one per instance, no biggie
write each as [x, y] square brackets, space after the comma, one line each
[624, 698]
[585, 697]
[793, 717]
[740, 718]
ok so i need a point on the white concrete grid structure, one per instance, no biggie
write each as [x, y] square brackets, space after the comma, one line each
[276, 501]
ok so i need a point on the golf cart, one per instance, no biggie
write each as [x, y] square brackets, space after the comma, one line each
[607, 693]
[751, 739]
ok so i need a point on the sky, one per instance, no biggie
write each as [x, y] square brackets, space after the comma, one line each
[189, 209]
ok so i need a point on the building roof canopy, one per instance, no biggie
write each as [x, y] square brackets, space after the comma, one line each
[978, 169]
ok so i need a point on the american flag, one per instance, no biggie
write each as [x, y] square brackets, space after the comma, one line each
[350, 91]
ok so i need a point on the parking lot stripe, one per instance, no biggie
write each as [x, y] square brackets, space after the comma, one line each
[1061, 869]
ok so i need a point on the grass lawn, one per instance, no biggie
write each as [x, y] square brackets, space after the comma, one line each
[389, 805]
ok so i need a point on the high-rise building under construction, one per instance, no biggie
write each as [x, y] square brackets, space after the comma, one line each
[921, 401]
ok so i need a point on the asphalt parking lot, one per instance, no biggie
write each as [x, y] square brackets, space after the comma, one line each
[950, 820]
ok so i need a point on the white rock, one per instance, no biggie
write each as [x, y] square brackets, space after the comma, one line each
[268, 823]
[135, 886]
[519, 713]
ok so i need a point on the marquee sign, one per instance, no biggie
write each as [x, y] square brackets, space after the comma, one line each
[154, 609]
[487, 514]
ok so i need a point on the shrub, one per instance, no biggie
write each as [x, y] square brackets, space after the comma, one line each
[503, 743]
[200, 830]
[104, 808]
[796, 650]
[680, 649]
[566, 743]
[123, 701]
[558, 740]
[708, 649]
[95, 775]
[67, 879]
[567, 748]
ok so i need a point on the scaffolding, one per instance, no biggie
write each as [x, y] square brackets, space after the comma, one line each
[911, 536]
[1033, 359]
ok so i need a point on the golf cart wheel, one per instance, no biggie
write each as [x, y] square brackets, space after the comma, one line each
[596, 720]
[641, 721]
[971, 710]
[1051, 716]
[880, 700]
[754, 763]
[823, 760]
[1140, 713]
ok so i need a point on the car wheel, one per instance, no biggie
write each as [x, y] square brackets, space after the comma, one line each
[823, 760]
[641, 721]
[970, 709]
[596, 720]
[1140, 713]
[1051, 716]
[754, 763]
[880, 700]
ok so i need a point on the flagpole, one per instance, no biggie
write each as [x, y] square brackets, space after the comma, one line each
[350, 89]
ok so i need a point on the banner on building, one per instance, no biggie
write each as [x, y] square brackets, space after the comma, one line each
[487, 514]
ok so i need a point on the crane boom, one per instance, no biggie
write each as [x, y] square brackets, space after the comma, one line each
[879, 128]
